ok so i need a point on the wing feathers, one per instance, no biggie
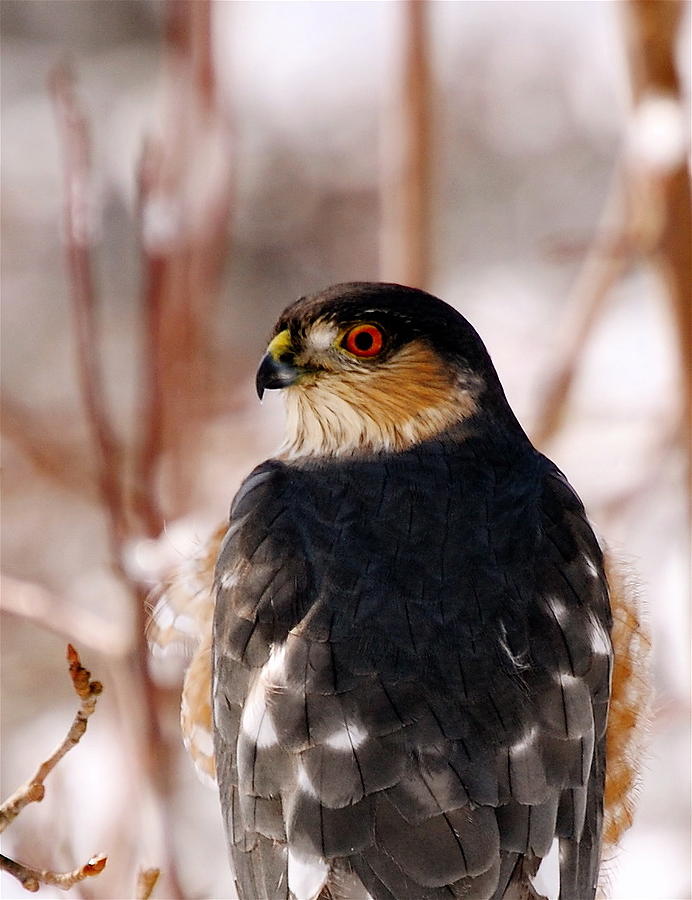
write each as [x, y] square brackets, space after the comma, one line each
[435, 718]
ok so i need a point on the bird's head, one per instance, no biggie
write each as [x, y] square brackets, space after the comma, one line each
[374, 367]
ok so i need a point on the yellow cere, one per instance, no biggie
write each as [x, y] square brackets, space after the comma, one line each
[280, 344]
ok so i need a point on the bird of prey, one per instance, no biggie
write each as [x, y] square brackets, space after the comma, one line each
[423, 678]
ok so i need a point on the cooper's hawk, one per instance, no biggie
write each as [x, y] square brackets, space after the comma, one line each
[413, 639]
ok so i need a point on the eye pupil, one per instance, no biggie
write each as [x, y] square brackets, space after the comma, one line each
[363, 341]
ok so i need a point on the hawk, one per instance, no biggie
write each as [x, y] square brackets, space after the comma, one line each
[422, 677]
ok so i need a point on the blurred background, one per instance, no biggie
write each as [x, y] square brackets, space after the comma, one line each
[173, 175]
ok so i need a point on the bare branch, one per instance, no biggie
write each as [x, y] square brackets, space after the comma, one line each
[79, 239]
[60, 460]
[406, 159]
[53, 612]
[586, 303]
[32, 879]
[146, 882]
[33, 791]
[648, 210]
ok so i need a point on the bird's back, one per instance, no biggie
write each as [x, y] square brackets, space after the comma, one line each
[412, 661]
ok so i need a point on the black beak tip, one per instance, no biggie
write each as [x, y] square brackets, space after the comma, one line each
[259, 386]
[274, 374]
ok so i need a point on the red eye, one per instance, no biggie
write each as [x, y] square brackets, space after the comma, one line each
[364, 340]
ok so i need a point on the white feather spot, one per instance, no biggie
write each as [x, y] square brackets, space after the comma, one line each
[546, 881]
[256, 721]
[202, 740]
[164, 615]
[559, 609]
[306, 875]
[304, 783]
[186, 625]
[567, 681]
[274, 669]
[229, 580]
[322, 337]
[524, 743]
[590, 566]
[351, 736]
[600, 641]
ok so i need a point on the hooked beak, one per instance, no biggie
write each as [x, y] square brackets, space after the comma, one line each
[277, 369]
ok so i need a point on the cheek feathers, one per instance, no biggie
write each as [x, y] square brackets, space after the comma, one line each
[392, 405]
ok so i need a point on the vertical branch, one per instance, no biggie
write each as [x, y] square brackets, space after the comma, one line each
[406, 163]
[648, 212]
[151, 431]
[79, 241]
[185, 180]
[662, 173]
[142, 705]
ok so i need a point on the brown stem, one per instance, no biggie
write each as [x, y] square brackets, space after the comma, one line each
[33, 790]
[32, 879]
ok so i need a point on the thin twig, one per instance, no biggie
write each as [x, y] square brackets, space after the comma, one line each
[146, 882]
[32, 879]
[33, 790]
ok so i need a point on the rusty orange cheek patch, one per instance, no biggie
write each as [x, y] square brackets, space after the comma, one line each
[630, 708]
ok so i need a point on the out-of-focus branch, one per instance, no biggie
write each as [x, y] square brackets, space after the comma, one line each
[108, 452]
[405, 161]
[184, 198]
[648, 212]
[146, 882]
[49, 610]
[606, 261]
[57, 460]
[79, 240]
[33, 791]
[32, 879]
[661, 166]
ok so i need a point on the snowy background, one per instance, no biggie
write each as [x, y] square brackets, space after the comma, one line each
[529, 107]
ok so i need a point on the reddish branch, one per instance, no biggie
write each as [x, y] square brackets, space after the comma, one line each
[184, 193]
[650, 212]
[33, 790]
[406, 164]
[184, 185]
[78, 214]
[652, 31]
[114, 496]
[57, 459]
